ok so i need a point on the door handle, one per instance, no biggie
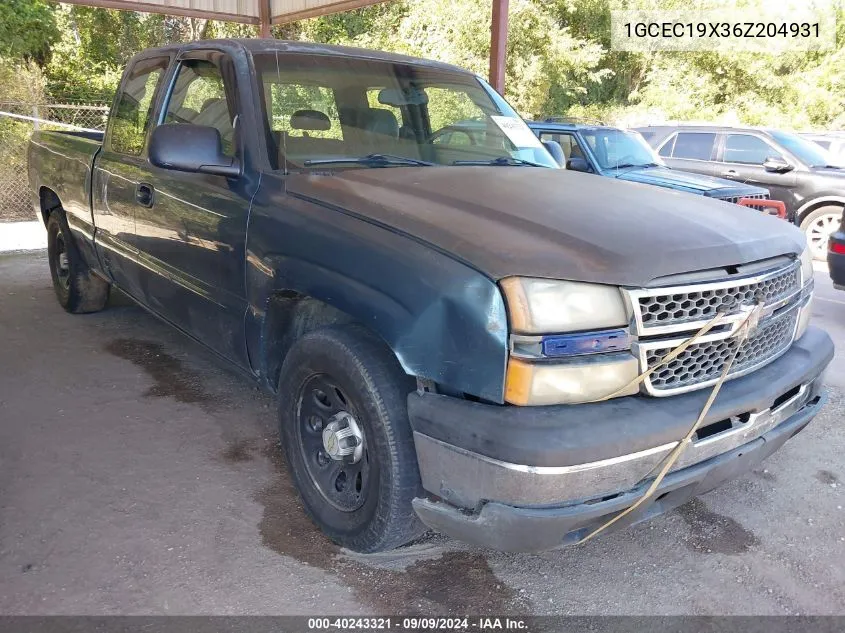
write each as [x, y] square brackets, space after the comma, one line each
[731, 173]
[145, 195]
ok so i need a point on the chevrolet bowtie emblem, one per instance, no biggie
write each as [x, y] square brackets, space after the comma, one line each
[747, 318]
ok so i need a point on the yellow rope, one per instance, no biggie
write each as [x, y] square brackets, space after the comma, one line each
[681, 446]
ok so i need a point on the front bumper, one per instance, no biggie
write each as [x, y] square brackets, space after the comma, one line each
[533, 478]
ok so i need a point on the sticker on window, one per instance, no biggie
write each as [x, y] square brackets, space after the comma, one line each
[517, 131]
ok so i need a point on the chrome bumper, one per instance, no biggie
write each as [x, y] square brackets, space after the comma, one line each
[467, 479]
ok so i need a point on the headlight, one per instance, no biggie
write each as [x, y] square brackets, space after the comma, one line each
[806, 293]
[583, 380]
[806, 266]
[547, 306]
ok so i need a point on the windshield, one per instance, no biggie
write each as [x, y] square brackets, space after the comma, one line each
[805, 150]
[616, 149]
[338, 112]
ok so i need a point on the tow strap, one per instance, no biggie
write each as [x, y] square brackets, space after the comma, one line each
[672, 457]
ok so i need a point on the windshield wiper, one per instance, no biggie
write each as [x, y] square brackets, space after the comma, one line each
[376, 160]
[627, 165]
[505, 161]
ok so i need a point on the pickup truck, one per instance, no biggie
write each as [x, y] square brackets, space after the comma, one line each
[442, 323]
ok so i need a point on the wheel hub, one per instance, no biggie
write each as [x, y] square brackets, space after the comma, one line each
[343, 439]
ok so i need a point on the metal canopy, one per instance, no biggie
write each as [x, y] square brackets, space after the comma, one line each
[246, 11]
[264, 13]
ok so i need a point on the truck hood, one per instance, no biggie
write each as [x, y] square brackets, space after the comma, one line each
[685, 181]
[551, 222]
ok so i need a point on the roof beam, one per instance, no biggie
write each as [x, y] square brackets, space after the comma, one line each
[150, 7]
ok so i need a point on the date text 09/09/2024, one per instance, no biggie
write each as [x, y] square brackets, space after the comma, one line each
[418, 624]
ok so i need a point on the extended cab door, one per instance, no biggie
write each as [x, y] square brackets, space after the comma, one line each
[691, 151]
[191, 234]
[741, 158]
[121, 170]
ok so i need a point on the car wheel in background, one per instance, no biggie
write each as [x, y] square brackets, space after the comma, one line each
[77, 288]
[818, 226]
[347, 439]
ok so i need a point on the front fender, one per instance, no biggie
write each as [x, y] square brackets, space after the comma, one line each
[444, 320]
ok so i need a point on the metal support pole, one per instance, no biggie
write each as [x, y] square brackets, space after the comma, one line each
[264, 18]
[498, 44]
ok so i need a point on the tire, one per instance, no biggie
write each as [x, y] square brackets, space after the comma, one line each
[818, 226]
[364, 506]
[78, 289]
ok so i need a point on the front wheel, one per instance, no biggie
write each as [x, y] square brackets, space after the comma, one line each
[77, 288]
[346, 436]
[818, 226]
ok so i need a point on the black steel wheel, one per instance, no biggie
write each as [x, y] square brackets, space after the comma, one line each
[332, 443]
[345, 432]
[77, 288]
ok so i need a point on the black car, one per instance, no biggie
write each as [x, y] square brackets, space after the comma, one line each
[794, 169]
[836, 256]
[623, 154]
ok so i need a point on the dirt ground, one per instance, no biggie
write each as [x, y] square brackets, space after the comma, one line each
[140, 476]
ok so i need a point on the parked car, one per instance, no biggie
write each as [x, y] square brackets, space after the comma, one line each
[623, 154]
[439, 320]
[836, 256]
[831, 142]
[795, 170]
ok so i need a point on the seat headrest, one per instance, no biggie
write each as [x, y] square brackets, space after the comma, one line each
[310, 120]
[382, 121]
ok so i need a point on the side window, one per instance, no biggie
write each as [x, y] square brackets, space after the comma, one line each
[694, 145]
[199, 98]
[747, 150]
[568, 143]
[131, 116]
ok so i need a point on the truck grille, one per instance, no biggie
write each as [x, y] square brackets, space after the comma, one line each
[666, 316]
[736, 199]
[666, 309]
[704, 362]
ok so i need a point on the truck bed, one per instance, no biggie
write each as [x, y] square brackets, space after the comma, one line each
[62, 162]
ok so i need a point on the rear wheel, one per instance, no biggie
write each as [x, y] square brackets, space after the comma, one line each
[818, 226]
[77, 288]
[346, 436]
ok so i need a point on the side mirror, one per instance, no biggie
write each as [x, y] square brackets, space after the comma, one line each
[191, 148]
[777, 165]
[554, 148]
[576, 163]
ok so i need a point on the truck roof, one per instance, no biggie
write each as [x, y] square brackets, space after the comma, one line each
[268, 45]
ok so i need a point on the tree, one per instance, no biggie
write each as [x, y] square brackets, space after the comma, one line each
[27, 30]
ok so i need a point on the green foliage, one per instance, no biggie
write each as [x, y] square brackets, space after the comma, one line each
[559, 57]
[27, 29]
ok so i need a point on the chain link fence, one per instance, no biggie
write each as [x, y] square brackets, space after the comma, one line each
[17, 122]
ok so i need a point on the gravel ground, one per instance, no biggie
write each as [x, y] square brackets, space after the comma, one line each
[139, 476]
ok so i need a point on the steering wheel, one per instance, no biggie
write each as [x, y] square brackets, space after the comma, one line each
[450, 129]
